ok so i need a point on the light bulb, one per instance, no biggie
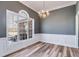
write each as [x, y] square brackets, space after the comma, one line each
[43, 13]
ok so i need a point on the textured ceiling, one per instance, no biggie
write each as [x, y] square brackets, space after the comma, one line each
[49, 5]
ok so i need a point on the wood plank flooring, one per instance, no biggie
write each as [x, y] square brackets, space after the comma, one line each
[42, 49]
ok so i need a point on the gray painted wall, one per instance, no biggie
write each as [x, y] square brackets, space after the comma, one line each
[77, 6]
[61, 21]
[15, 6]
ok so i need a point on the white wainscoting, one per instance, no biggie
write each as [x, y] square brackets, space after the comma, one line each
[59, 39]
[19, 45]
[7, 47]
[3, 46]
[64, 40]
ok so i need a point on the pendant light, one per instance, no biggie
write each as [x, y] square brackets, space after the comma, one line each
[43, 13]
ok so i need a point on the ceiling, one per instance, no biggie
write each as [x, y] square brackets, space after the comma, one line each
[49, 5]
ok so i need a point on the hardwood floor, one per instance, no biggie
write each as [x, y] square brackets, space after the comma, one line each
[42, 49]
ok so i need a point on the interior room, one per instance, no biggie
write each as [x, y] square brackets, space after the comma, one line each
[39, 28]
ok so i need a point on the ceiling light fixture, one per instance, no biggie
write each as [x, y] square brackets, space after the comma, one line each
[43, 13]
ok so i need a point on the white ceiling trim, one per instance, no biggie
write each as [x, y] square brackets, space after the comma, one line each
[51, 9]
[62, 6]
[23, 2]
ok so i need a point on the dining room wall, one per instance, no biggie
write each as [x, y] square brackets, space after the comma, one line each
[16, 7]
[60, 21]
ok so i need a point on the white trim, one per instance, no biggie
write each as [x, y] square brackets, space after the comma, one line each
[77, 20]
[24, 14]
[33, 27]
[22, 2]
[59, 39]
[76, 25]
[8, 12]
[63, 40]
[14, 13]
[7, 47]
[62, 6]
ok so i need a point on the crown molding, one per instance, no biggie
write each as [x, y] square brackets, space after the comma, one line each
[58, 7]
[62, 6]
[22, 2]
